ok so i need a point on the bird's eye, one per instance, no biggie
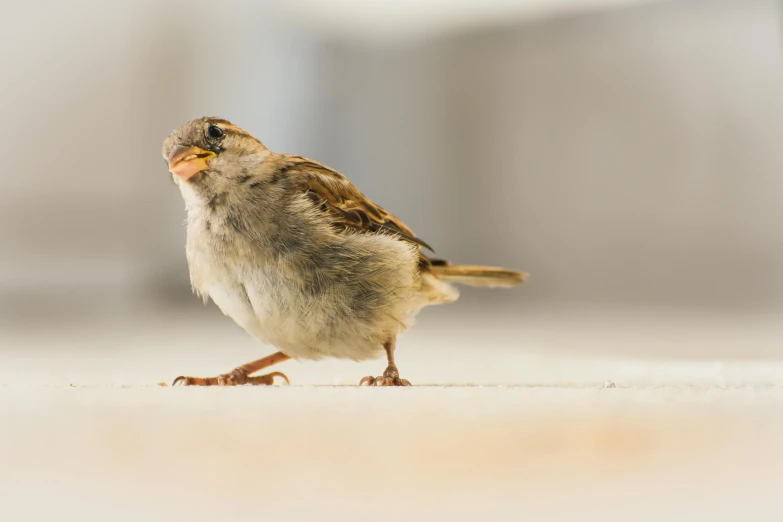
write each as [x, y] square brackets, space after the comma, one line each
[215, 132]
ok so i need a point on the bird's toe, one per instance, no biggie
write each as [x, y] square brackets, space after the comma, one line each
[383, 380]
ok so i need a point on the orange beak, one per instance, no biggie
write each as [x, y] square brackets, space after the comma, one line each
[186, 161]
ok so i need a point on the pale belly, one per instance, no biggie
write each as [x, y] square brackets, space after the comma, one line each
[342, 301]
[278, 312]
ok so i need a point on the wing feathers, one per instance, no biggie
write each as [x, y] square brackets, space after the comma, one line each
[347, 206]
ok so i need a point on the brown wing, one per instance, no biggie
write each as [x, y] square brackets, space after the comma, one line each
[347, 207]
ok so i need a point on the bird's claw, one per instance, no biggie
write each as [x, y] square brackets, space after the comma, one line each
[391, 377]
[384, 381]
[236, 377]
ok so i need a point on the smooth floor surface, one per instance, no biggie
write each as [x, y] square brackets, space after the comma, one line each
[512, 426]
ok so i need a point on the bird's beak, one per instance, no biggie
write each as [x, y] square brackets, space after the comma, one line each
[186, 161]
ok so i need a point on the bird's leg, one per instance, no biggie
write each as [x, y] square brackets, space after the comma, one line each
[239, 375]
[390, 377]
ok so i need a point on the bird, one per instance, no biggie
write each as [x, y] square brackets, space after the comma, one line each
[299, 258]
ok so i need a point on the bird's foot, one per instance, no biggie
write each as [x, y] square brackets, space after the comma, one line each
[236, 377]
[391, 377]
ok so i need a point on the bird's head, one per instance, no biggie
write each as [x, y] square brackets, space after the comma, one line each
[212, 150]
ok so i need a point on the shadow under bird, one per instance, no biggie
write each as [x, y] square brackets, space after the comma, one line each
[298, 257]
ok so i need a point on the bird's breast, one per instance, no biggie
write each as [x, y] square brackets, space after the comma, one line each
[309, 298]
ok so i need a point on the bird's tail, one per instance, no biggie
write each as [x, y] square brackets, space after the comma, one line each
[471, 275]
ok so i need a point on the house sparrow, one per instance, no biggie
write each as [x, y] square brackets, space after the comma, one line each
[298, 257]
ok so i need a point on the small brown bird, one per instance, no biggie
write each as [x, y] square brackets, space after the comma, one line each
[298, 257]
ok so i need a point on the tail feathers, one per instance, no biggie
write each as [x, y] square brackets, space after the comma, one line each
[484, 276]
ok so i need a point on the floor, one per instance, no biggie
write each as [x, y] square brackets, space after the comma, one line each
[511, 420]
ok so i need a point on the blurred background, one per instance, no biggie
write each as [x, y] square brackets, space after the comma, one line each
[625, 153]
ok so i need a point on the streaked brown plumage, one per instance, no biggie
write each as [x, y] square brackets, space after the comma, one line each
[299, 257]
